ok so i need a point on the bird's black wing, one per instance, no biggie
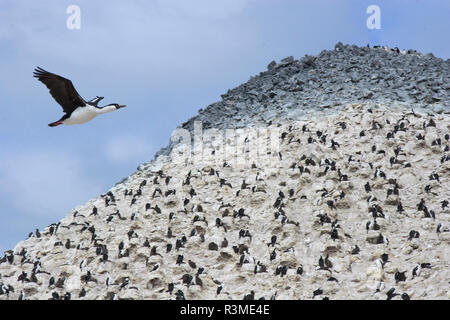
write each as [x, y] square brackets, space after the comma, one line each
[61, 89]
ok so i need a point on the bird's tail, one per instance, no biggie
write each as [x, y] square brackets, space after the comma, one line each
[54, 124]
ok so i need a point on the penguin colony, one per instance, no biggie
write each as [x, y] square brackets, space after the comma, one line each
[354, 206]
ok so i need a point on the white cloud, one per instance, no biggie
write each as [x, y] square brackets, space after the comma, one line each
[157, 38]
[45, 184]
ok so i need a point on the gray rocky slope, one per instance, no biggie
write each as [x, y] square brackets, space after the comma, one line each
[352, 203]
[298, 89]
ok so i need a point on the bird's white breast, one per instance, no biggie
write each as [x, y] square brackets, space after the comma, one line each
[81, 115]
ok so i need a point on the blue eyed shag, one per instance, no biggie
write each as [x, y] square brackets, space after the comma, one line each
[76, 109]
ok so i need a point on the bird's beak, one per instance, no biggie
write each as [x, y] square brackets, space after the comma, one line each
[122, 105]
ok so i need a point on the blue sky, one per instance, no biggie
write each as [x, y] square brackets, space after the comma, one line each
[165, 59]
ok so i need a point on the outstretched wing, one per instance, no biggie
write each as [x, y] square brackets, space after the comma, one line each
[61, 89]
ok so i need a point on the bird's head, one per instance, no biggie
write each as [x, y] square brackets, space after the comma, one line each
[110, 107]
[117, 106]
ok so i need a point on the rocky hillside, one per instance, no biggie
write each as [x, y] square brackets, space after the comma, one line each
[346, 196]
[315, 85]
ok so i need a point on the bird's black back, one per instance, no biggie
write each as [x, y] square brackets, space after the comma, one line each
[61, 89]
